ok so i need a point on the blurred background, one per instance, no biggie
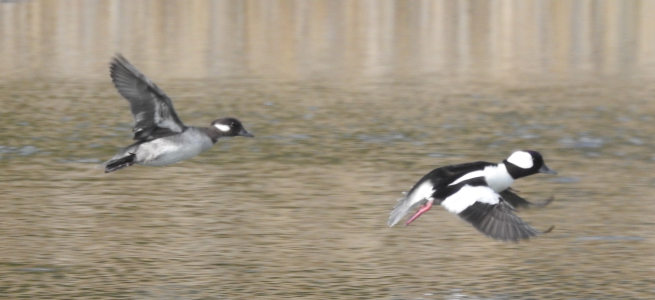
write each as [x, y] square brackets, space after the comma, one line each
[351, 102]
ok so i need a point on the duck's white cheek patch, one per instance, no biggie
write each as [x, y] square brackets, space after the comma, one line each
[222, 127]
[521, 159]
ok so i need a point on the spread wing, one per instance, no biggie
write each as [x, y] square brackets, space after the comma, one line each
[153, 112]
[489, 214]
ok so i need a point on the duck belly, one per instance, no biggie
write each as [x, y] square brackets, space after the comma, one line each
[163, 152]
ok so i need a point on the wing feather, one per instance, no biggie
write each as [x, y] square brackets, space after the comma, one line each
[510, 196]
[153, 111]
[489, 213]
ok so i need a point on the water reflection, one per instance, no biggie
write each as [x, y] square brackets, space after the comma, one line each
[506, 40]
[350, 102]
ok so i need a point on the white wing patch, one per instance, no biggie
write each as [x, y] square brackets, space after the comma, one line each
[468, 195]
[521, 159]
[468, 176]
[222, 127]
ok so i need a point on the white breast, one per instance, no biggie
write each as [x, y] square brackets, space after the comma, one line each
[498, 178]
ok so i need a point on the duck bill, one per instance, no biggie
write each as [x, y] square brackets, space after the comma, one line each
[544, 169]
[245, 133]
[422, 210]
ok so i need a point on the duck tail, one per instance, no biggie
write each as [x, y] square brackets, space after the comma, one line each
[119, 163]
[402, 208]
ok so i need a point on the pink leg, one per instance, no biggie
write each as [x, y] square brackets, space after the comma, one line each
[423, 209]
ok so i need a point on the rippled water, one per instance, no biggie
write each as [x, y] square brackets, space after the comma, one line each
[300, 211]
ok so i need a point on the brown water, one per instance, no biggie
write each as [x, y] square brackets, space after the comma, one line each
[351, 103]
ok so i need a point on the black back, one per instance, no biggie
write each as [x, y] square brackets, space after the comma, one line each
[443, 176]
[446, 175]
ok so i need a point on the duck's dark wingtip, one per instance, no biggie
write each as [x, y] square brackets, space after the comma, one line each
[549, 229]
[543, 203]
[118, 59]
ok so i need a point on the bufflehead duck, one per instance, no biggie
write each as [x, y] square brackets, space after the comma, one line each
[162, 138]
[478, 192]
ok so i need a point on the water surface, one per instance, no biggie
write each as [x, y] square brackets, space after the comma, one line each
[356, 103]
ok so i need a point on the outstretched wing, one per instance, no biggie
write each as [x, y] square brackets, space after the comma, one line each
[153, 112]
[489, 214]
